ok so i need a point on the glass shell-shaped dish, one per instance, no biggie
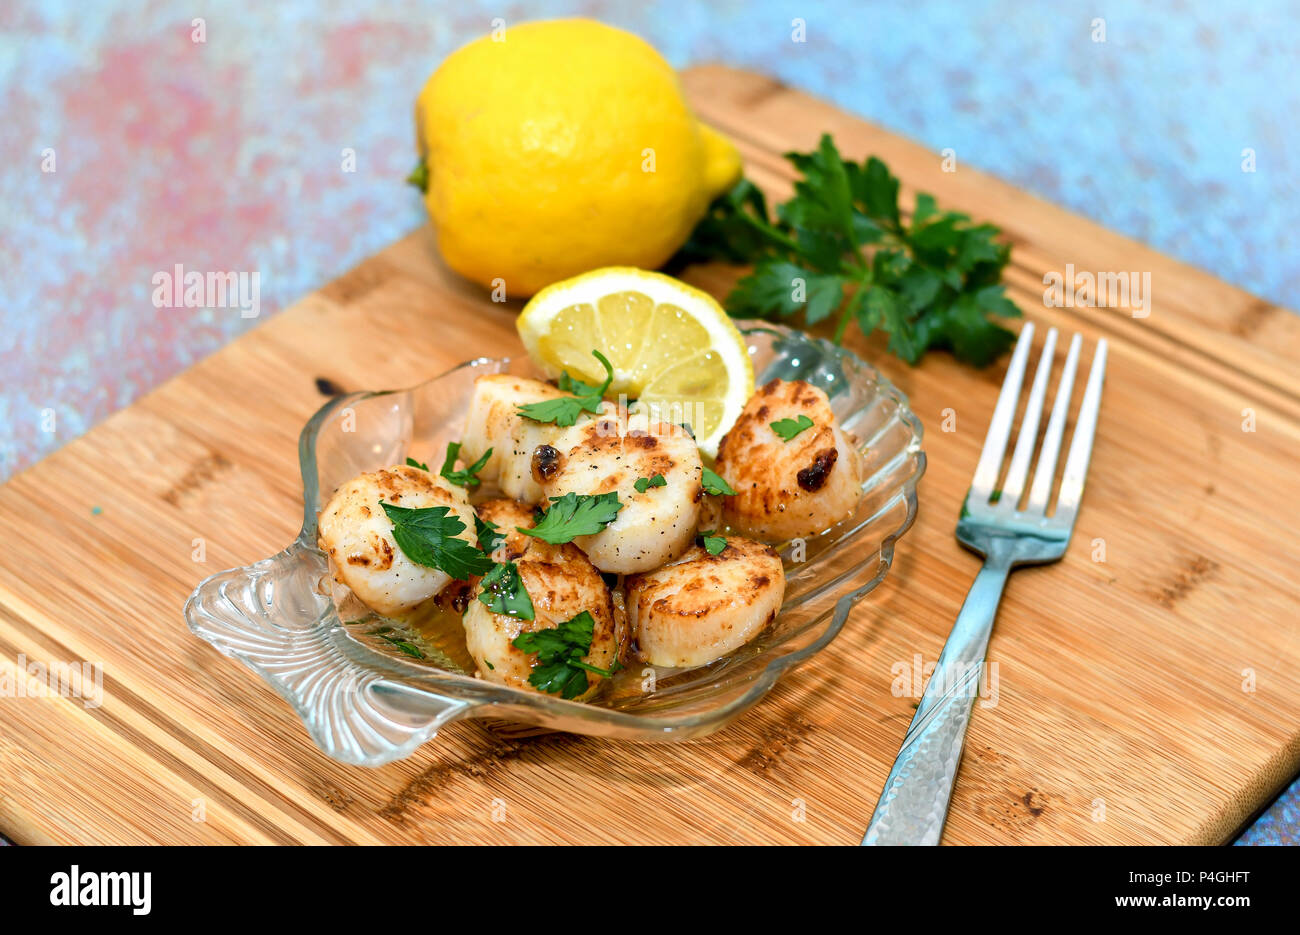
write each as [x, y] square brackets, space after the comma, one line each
[372, 691]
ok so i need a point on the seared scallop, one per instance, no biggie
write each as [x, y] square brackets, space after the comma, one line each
[608, 453]
[703, 606]
[788, 488]
[561, 583]
[494, 422]
[357, 536]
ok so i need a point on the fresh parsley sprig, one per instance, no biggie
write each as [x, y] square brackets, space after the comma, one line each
[401, 643]
[712, 544]
[564, 410]
[411, 462]
[489, 534]
[789, 428]
[560, 651]
[575, 515]
[430, 536]
[575, 386]
[715, 486]
[466, 477]
[841, 245]
[504, 592]
[642, 484]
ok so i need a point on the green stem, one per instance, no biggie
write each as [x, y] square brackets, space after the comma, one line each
[769, 231]
[607, 673]
[419, 176]
[851, 309]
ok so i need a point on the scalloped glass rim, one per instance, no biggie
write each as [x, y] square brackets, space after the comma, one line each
[369, 707]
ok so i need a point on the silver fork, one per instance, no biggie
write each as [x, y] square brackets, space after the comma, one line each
[914, 803]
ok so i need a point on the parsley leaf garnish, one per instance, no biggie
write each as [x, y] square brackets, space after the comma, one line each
[575, 515]
[575, 386]
[504, 592]
[401, 644]
[430, 537]
[840, 245]
[564, 410]
[560, 669]
[712, 544]
[789, 428]
[643, 484]
[466, 477]
[489, 534]
[715, 486]
[411, 462]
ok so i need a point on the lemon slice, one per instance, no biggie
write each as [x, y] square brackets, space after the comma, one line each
[672, 347]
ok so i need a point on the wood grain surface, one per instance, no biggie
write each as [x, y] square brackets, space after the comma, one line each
[1149, 698]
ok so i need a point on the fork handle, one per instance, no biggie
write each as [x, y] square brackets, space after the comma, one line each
[914, 802]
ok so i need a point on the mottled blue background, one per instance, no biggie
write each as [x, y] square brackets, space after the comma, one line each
[225, 155]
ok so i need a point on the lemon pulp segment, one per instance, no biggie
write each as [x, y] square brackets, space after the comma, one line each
[672, 348]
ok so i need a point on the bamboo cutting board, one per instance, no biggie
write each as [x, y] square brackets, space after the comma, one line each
[1148, 698]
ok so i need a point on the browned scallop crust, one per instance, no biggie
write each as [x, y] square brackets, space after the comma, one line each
[787, 488]
[561, 583]
[562, 586]
[364, 562]
[509, 516]
[608, 455]
[494, 422]
[703, 606]
[403, 479]
[608, 459]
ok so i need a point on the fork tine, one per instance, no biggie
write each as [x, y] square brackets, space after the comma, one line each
[1076, 465]
[1028, 436]
[1045, 471]
[995, 442]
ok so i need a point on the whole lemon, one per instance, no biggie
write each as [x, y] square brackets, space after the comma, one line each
[556, 147]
